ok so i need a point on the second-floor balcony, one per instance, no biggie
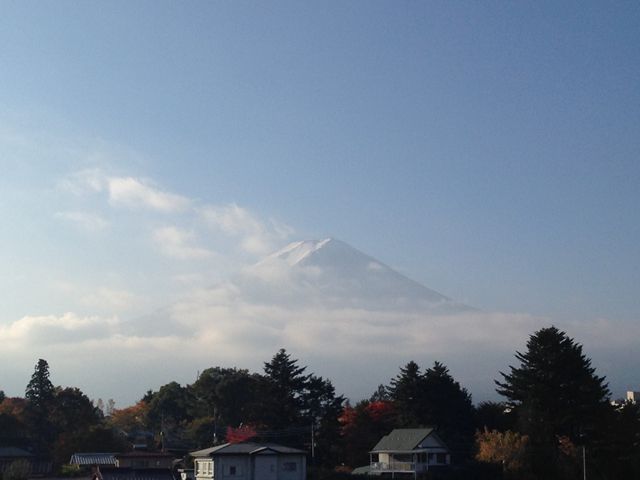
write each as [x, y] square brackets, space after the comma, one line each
[393, 466]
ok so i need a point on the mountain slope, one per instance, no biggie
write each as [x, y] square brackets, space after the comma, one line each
[339, 275]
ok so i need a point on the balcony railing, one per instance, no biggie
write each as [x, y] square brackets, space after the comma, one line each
[394, 466]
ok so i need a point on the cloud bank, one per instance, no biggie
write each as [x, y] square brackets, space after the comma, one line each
[333, 315]
[229, 325]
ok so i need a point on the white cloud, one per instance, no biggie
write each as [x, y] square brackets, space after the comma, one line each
[131, 192]
[256, 237]
[123, 191]
[91, 222]
[178, 243]
[356, 348]
[30, 331]
[241, 229]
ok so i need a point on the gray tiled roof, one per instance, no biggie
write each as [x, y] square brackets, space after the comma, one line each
[402, 439]
[244, 448]
[93, 459]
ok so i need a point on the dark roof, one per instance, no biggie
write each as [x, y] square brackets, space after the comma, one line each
[93, 459]
[402, 439]
[14, 452]
[137, 474]
[143, 454]
[245, 448]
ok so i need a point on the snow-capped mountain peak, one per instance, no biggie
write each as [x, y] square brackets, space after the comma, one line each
[296, 252]
[345, 277]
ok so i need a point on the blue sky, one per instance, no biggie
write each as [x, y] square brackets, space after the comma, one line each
[488, 150]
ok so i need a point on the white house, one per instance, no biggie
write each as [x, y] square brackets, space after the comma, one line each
[408, 452]
[250, 461]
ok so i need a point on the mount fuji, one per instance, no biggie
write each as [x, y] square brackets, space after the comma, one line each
[335, 274]
[350, 316]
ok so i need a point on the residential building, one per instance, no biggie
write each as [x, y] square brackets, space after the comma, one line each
[135, 465]
[37, 466]
[250, 461]
[407, 452]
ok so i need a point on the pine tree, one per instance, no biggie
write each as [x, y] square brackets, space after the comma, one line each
[322, 409]
[40, 394]
[40, 390]
[449, 408]
[407, 392]
[555, 393]
[434, 399]
[555, 389]
[287, 383]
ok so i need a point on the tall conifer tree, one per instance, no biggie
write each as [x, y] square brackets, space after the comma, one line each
[555, 393]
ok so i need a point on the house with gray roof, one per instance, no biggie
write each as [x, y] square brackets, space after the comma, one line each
[135, 465]
[407, 452]
[37, 466]
[250, 461]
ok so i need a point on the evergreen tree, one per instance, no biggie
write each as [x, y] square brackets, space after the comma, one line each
[434, 399]
[555, 390]
[380, 395]
[40, 398]
[322, 409]
[407, 391]
[40, 390]
[448, 407]
[287, 382]
[555, 393]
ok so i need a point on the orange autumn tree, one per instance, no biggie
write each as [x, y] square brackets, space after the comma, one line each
[506, 448]
[130, 418]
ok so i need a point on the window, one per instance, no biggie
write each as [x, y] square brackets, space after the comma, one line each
[441, 458]
[289, 467]
[204, 467]
[232, 470]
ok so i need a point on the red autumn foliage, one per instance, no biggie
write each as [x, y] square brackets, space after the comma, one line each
[380, 410]
[240, 434]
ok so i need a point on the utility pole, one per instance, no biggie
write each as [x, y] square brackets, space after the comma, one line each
[584, 463]
[313, 446]
[313, 451]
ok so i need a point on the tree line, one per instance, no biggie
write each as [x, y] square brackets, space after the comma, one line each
[555, 418]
